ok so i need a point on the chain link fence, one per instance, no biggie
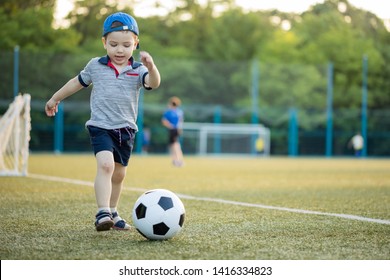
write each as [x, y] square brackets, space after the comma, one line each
[211, 91]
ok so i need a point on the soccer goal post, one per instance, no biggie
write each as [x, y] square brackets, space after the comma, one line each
[226, 139]
[15, 126]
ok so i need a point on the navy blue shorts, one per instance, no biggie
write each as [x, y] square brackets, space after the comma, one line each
[118, 141]
[173, 135]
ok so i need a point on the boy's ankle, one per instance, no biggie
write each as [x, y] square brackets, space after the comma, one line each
[103, 220]
[119, 223]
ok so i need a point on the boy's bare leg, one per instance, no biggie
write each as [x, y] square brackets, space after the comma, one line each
[172, 152]
[117, 183]
[177, 154]
[105, 169]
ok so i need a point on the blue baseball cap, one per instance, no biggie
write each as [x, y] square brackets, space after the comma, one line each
[129, 24]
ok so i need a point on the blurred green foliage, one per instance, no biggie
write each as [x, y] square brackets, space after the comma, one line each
[197, 33]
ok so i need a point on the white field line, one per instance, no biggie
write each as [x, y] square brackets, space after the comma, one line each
[245, 204]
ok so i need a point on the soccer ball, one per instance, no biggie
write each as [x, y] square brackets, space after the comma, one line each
[158, 214]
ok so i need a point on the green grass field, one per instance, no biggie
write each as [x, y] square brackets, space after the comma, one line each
[43, 219]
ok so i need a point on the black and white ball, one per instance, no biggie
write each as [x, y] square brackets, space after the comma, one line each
[158, 214]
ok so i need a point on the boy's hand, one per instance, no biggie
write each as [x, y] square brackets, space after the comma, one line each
[51, 108]
[153, 79]
[147, 60]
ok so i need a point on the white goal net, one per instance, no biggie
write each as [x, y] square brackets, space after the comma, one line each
[15, 126]
[226, 139]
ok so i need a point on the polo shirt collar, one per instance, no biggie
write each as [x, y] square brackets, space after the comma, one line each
[106, 59]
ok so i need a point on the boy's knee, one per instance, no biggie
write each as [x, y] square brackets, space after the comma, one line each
[118, 176]
[106, 167]
[105, 162]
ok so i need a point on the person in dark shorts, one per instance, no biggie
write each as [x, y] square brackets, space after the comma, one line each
[173, 119]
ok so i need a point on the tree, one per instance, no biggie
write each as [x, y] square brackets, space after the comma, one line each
[326, 35]
[88, 16]
[237, 36]
[28, 24]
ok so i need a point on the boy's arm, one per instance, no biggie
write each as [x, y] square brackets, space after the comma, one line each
[166, 123]
[153, 78]
[71, 87]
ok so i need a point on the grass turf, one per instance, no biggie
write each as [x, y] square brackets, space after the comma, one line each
[54, 220]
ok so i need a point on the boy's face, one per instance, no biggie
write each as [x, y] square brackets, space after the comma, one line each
[120, 46]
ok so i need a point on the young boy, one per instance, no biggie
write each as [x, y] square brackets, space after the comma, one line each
[116, 80]
[172, 119]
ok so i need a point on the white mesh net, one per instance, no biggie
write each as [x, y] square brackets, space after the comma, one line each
[226, 139]
[15, 126]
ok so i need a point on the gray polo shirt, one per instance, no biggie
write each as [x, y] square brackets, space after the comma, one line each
[114, 97]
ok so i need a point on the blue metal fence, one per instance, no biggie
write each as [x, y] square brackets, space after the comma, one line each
[289, 129]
